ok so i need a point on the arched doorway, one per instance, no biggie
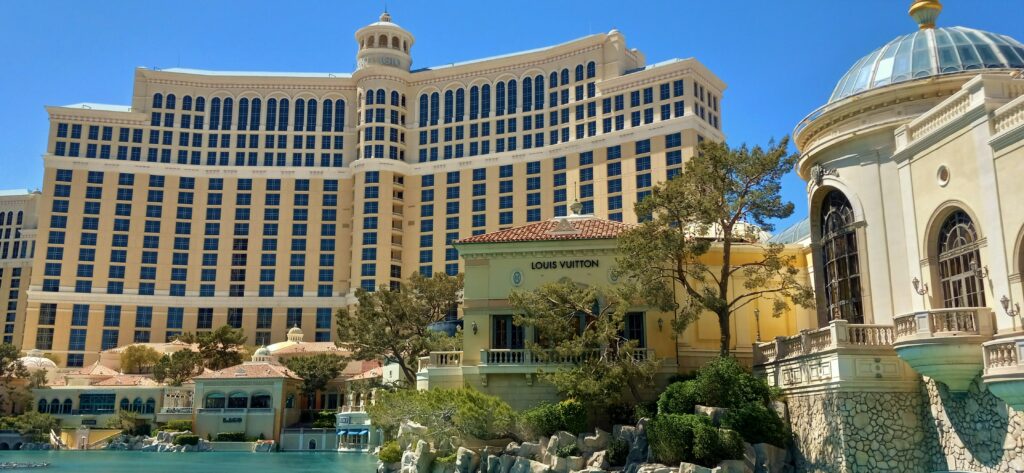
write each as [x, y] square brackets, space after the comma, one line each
[4, 446]
[959, 259]
[312, 444]
[840, 259]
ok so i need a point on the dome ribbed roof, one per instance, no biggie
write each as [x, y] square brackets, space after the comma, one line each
[930, 52]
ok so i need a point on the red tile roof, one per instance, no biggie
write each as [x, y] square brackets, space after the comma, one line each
[251, 370]
[559, 228]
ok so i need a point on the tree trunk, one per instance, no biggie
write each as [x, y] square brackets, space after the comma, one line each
[723, 327]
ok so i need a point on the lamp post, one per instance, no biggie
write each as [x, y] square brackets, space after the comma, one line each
[919, 287]
[1013, 312]
[757, 324]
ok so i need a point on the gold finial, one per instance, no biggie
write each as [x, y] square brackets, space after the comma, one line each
[924, 12]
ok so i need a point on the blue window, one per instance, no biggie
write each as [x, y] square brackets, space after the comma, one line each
[533, 215]
[643, 163]
[643, 146]
[533, 167]
[175, 316]
[112, 316]
[143, 317]
[109, 339]
[80, 315]
[673, 158]
[643, 180]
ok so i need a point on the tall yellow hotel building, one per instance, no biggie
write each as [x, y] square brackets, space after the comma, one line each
[264, 200]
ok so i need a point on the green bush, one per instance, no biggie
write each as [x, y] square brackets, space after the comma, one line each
[178, 426]
[617, 453]
[546, 419]
[390, 453]
[468, 413]
[568, 451]
[230, 437]
[186, 440]
[446, 460]
[722, 382]
[629, 413]
[325, 420]
[758, 423]
[676, 438]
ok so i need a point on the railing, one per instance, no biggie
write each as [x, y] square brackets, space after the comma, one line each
[515, 357]
[1008, 116]
[945, 112]
[942, 323]
[233, 410]
[505, 357]
[838, 335]
[445, 359]
[176, 410]
[1002, 354]
[349, 408]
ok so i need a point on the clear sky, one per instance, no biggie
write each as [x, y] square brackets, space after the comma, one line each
[780, 59]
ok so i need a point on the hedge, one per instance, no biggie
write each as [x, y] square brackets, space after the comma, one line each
[230, 437]
[390, 453]
[178, 426]
[546, 419]
[758, 423]
[676, 438]
[186, 440]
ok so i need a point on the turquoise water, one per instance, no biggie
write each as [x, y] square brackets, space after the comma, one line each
[152, 462]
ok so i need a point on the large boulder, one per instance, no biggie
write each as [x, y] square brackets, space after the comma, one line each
[409, 432]
[505, 464]
[653, 468]
[765, 458]
[693, 468]
[592, 443]
[524, 465]
[733, 466]
[714, 413]
[511, 449]
[565, 440]
[417, 460]
[559, 464]
[576, 463]
[466, 460]
[530, 451]
[599, 460]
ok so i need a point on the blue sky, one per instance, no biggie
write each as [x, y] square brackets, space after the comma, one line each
[780, 59]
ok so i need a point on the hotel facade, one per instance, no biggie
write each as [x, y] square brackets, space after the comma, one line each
[264, 200]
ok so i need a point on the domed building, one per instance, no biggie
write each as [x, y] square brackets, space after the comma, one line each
[918, 247]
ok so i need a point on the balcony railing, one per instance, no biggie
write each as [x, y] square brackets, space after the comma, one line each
[944, 323]
[234, 410]
[1002, 354]
[514, 357]
[176, 410]
[838, 335]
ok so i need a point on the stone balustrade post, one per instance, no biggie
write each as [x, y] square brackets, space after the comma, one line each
[924, 323]
[779, 353]
[840, 332]
[805, 342]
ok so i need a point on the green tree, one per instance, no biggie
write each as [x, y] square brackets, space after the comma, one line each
[723, 199]
[585, 325]
[11, 368]
[462, 413]
[392, 325]
[138, 359]
[178, 367]
[316, 372]
[35, 425]
[222, 347]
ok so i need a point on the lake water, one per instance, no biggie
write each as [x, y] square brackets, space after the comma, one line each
[152, 462]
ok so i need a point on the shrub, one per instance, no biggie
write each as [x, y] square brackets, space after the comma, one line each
[568, 451]
[186, 440]
[722, 382]
[178, 426]
[630, 414]
[230, 437]
[466, 413]
[546, 419]
[758, 423]
[390, 453]
[446, 460]
[325, 420]
[676, 438]
[617, 453]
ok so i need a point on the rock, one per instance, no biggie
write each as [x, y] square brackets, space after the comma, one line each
[575, 463]
[507, 461]
[598, 460]
[693, 468]
[530, 451]
[733, 466]
[408, 432]
[715, 413]
[493, 465]
[593, 443]
[524, 465]
[466, 460]
[559, 465]
[565, 439]
[625, 433]
[512, 449]
[765, 458]
[653, 468]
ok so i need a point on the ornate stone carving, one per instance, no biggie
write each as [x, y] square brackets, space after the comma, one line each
[818, 173]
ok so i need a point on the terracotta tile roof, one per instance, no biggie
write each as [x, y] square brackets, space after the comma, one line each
[128, 380]
[369, 374]
[159, 347]
[309, 348]
[558, 228]
[251, 370]
[354, 369]
[96, 369]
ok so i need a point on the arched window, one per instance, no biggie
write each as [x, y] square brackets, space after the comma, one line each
[311, 115]
[200, 104]
[312, 444]
[300, 117]
[369, 97]
[339, 115]
[591, 70]
[172, 101]
[158, 100]
[186, 102]
[394, 98]
[125, 405]
[538, 92]
[282, 115]
[229, 105]
[42, 407]
[369, 42]
[150, 406]
[382, 41]
[20, 216]
[254, 112]
[395, 43]
[328, 119]
[513, 97]
[243, 113]
[423, 110]
[215, 113]
[840, 259]
[499, 90]
[485, 101]
[214, 401]
[238, 400]
[271, 114]
[137, 405]
[435, 107]
[449, 106]
[381, 94]
[527, 94]
[565, 76]
[579, 72]
[260, 400]
[66, 409]
[553, 80]
[460, 104]
[959, 256]
[474, 102]
[403, 100]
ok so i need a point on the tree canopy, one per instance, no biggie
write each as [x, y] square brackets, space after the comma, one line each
[585, 326]
[316, 370]
[393, 325]
[11, 368]
[138, 359]
[178, 367]
[219, 348]
[723, 199]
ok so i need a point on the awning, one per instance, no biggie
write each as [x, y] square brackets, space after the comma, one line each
[342, 432]
[361, 432]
